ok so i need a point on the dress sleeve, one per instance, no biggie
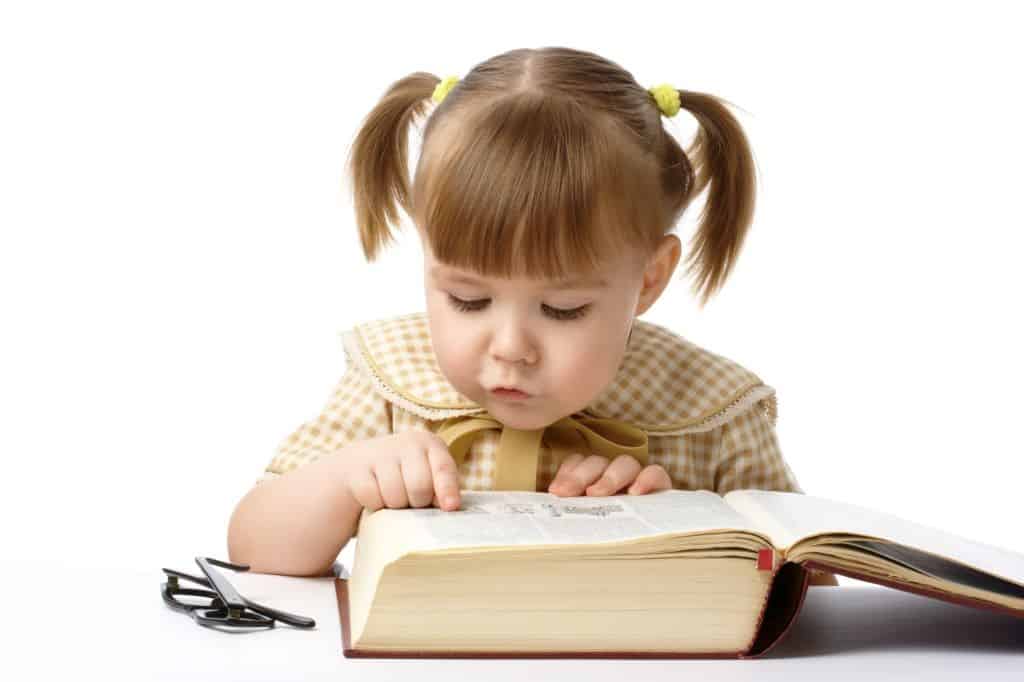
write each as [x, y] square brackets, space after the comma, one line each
[354, 412]
[748, 455]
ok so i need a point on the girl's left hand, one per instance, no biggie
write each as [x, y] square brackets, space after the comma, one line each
[598, 477]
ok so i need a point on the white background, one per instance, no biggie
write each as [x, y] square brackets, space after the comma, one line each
[178, 250]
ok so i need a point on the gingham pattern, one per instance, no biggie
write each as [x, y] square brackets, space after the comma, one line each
[710, 422]
[749, 457]
[354, 412]
[399, 350]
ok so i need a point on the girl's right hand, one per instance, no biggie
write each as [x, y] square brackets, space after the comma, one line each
[408, 469]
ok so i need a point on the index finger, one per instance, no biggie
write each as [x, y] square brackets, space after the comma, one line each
[445, 476]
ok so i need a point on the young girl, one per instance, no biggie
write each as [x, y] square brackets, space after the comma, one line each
[543, 198]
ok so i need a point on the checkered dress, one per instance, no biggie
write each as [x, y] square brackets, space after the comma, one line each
[710, 422]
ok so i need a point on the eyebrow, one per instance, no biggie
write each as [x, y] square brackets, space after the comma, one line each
[575, 283]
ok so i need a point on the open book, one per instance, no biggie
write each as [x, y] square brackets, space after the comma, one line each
[669, 574]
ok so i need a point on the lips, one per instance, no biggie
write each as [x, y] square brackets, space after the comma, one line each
[508, 392]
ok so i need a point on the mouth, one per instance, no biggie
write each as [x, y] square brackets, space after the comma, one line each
[509, 393]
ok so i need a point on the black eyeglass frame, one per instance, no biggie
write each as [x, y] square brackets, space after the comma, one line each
[227, 607]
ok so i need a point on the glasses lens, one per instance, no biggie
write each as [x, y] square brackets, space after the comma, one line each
[194, 600]
[196, 597]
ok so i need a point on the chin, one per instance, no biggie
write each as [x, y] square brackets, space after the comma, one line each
[519, 417]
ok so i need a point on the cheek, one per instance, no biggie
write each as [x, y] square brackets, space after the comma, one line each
[586, 368]
[454, 356]
[458, 365]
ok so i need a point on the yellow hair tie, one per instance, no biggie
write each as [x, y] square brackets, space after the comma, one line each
[667, 98]
[442, 88]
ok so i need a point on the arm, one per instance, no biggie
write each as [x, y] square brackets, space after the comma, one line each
[298, 518]
[297, 523]
[748, 456]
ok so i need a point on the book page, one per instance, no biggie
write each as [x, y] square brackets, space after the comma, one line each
[937, 567]
[794, 517]
[537, 518]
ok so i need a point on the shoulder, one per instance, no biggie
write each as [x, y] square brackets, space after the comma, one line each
[668, 385]
[396, 356]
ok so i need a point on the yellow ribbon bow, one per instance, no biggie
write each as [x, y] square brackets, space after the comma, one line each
[519, 449]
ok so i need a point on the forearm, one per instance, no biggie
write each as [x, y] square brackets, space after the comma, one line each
[297, 523]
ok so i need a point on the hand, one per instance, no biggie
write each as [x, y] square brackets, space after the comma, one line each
[407, 469]
[597, 477]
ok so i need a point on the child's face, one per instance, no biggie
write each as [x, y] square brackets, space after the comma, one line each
[511, 336]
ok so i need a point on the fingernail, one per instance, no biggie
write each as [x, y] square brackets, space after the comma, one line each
[450, 501]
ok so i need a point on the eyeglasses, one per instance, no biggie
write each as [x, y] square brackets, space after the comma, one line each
[223, 606]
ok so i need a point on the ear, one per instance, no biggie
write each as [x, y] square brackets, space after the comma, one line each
[658, 272]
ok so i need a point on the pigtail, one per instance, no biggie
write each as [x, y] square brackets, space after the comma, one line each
[721, 158]
[378, 162]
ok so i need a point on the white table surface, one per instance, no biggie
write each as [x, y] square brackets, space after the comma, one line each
[108, 622]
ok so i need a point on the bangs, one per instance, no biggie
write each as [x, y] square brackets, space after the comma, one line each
[536, 187]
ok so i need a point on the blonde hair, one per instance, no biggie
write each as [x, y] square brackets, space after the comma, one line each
[545, 163]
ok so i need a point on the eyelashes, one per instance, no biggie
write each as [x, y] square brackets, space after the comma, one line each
[554, 313]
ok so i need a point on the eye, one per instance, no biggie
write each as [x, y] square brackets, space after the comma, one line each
[554, 313]
[467, 306]
[561, 314]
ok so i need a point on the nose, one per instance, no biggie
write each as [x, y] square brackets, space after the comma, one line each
[511, 343]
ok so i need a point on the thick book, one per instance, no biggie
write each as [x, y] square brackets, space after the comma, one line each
[671, 574]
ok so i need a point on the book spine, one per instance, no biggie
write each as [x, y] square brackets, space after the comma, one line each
[783, 603]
